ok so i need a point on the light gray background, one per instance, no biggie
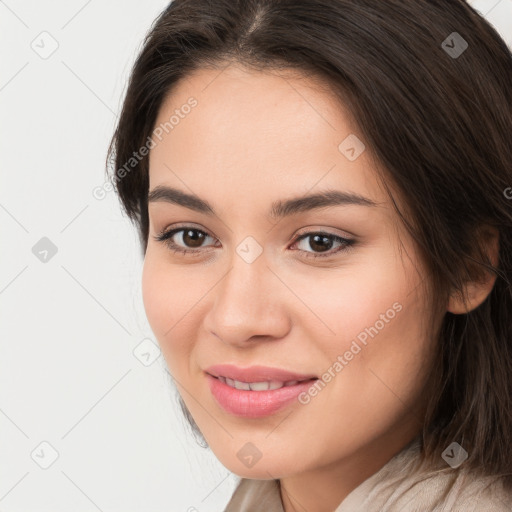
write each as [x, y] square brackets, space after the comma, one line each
[73, 372]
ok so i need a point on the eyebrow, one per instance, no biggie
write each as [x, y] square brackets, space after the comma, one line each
[279, 209]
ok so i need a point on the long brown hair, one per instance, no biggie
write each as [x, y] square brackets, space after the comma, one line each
[429, 83]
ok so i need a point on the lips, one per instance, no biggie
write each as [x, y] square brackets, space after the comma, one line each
[256, 374]
[256, 391]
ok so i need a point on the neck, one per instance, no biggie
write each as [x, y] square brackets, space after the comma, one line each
[324, 489]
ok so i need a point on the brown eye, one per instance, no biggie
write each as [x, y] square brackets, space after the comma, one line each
[190, 241]
[193, 237]
[323, 243]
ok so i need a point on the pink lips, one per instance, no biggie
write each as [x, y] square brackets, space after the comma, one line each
[255, 404]
[255, 373]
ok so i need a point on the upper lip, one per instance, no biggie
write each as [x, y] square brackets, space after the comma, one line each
[256, 373]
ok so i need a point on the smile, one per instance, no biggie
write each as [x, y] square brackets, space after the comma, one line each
[255, 399]
[257, 386]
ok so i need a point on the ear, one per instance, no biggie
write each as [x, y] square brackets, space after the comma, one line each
[477, 291]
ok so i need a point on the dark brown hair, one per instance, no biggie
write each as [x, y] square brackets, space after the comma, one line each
[440, 123]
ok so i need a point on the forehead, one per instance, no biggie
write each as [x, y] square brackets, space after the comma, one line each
[261, 134]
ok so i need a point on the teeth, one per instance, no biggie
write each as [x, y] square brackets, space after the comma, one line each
[273, 384]
[263, 386]
[242, 385]
[257, 386]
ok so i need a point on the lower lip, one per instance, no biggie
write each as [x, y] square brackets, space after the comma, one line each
[254, 404]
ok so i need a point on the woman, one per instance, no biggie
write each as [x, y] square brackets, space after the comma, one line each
[322, 193]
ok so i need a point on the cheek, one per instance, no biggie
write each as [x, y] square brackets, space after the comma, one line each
[385, 358]
[162, 295]
[170, 300]
[155, 295]
[375, 311]
[347, 302]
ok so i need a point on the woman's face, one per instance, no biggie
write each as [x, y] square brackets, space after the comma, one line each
[252, 293]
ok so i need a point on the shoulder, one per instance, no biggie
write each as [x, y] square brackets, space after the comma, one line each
[450, 490]
[480, 494]
[405, 484]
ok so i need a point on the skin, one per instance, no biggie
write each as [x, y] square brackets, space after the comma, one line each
[252, 139]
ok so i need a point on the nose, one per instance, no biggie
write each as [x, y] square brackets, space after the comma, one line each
[249, 304]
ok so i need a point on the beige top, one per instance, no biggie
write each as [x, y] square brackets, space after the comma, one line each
[397, 487]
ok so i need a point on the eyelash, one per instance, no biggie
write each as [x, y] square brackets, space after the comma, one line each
[165, 237]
